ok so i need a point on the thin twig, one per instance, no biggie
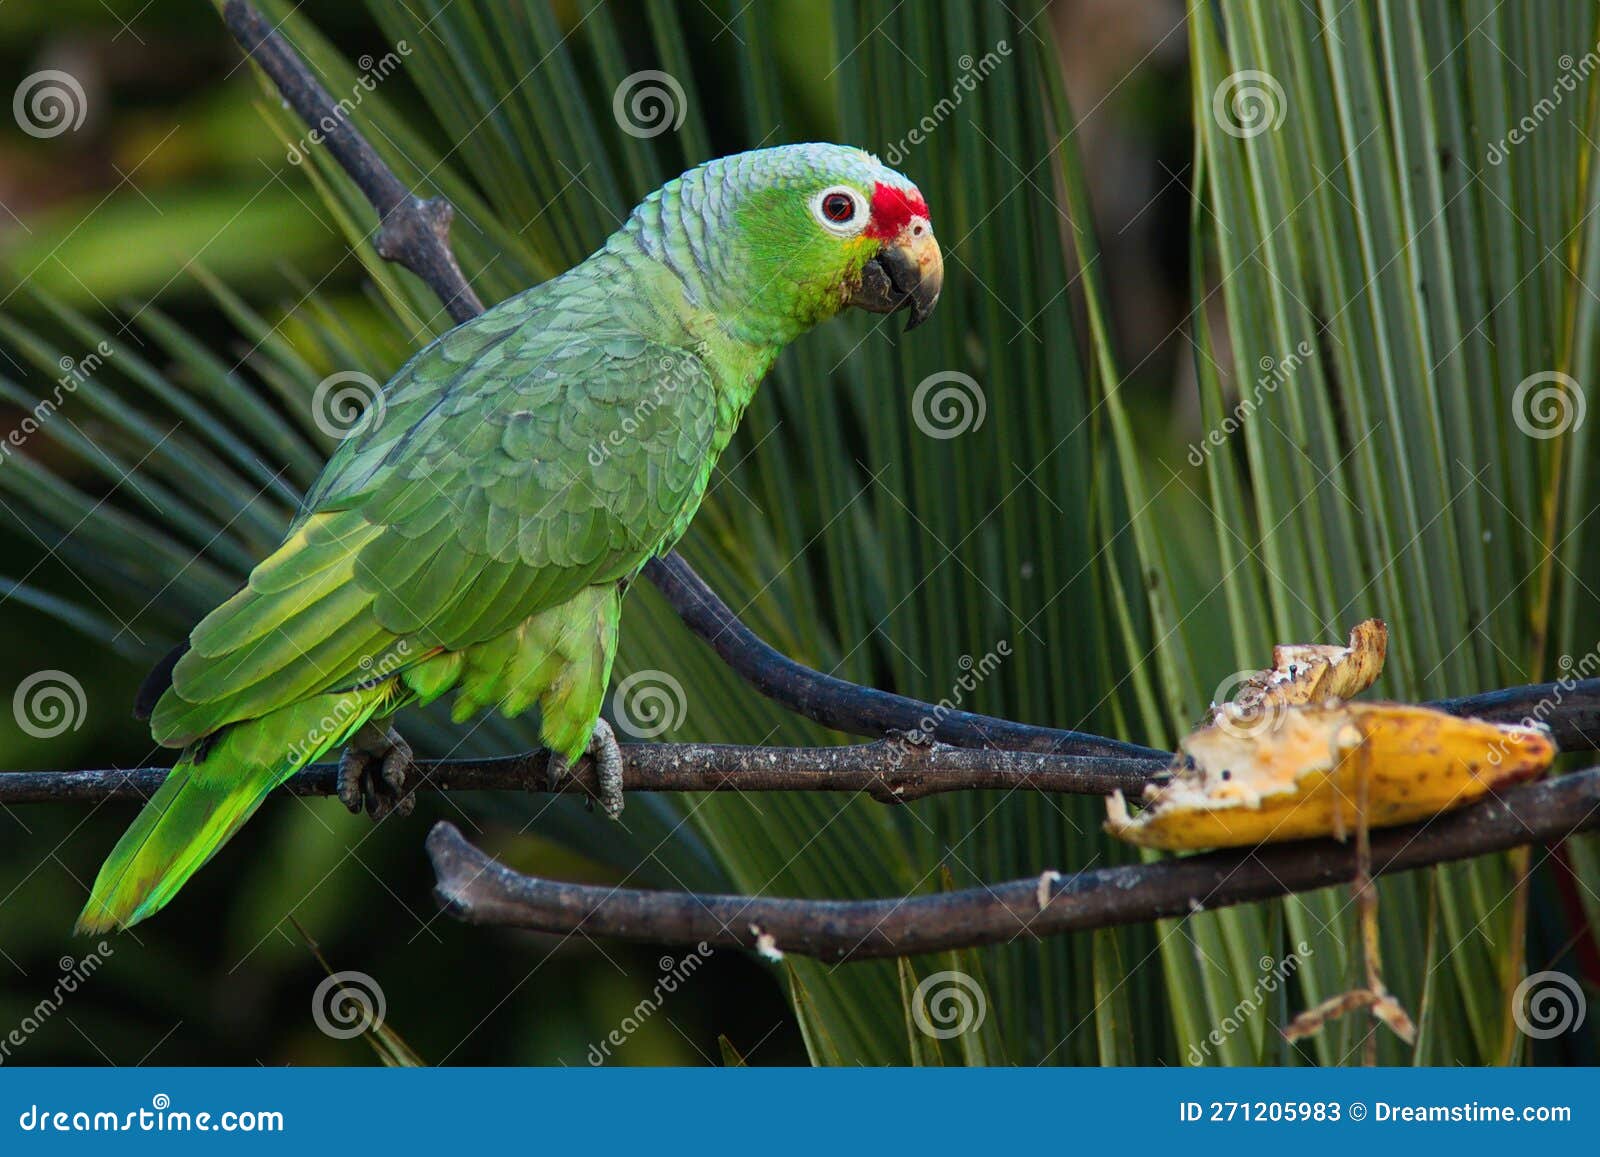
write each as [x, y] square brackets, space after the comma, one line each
[414, 232]
[480, 890]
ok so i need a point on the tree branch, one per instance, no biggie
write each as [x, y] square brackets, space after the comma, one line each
[413, 232]
[1570, 708]
[890, 771]
[894, 770]
[846, 706]
[479, 890]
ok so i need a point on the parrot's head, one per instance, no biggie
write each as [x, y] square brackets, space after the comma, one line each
[805, 230]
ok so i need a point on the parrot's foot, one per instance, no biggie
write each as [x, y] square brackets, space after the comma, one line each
[372, 773]
[607, 756]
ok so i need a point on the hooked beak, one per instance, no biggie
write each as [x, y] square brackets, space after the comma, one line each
[907, 273]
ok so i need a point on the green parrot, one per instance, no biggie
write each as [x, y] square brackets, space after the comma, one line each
[478, 530]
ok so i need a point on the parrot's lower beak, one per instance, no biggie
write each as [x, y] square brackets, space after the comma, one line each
[907, 273]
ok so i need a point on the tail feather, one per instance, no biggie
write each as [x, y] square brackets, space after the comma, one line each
[208, 796]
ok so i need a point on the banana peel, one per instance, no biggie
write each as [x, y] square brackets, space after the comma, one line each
[1304, 673]
[1294, 773]
[1286, 759]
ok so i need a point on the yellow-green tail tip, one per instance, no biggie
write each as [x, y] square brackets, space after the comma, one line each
[94, 920]
[201, 804]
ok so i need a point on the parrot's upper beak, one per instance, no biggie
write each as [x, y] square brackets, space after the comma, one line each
[907, 273]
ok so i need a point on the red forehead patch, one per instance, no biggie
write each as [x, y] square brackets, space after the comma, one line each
[892, 208]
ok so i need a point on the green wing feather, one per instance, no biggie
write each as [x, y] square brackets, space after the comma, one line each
[522, 465]
[533, 452]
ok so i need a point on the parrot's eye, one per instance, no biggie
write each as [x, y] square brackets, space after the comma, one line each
[840, 209]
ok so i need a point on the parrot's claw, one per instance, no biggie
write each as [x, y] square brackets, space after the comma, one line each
[372, 773]
[607, 767]
[607, 756]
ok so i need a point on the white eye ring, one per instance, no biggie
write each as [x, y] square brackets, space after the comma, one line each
[850, 225]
